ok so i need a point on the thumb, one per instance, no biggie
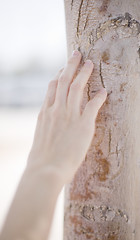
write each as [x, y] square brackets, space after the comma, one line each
[93, 106]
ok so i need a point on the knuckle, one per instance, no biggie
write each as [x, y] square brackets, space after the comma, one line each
[70, 61]
[40, 115]
[62, 79]
[55, 111]
[52, 83]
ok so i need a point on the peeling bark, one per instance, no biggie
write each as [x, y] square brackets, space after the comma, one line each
[102, 201]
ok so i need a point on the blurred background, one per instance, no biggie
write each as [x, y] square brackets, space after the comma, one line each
[32, 50]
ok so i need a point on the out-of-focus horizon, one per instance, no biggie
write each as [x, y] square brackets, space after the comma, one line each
[32, 50]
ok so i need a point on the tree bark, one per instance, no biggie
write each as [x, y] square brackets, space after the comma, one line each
[103, 200]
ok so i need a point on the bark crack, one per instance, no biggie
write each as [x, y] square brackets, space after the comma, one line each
[86, 22]
[79, 16]
[139, 52]
[88, 91]
[110, 140]
[128, 17]
[101, 76]
[72, 4]
[87, 15]
[87, 5]
[117, 150]
[120, 168]
[91, 49]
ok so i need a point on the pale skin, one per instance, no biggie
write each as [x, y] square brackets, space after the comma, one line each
[62, 138]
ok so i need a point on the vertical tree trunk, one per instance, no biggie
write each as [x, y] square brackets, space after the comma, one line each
[103, 200]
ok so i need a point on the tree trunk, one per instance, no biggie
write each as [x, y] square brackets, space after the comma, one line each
[103, 200]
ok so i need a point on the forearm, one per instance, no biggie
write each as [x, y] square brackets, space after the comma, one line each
[63, 132]
[32, 209]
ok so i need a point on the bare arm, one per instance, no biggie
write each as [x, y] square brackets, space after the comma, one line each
[32, 209]
[62, 138]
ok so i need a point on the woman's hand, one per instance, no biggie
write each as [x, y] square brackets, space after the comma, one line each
[62, 138]
[63, 133]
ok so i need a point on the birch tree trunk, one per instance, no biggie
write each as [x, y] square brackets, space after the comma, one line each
[103, 200]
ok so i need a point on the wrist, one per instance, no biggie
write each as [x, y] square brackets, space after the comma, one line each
[48, 174]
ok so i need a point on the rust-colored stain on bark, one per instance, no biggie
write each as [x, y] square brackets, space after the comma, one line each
[104, 6]
[105, 56]
[122, 86]
[80, 228]
[112, 237]
[87, 193]
[103, 170]
[100, 152]
[76, 222]
[107, 101]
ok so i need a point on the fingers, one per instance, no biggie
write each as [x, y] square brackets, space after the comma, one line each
[77, 88]
[66, 78]
[91, 110]
[51, 91]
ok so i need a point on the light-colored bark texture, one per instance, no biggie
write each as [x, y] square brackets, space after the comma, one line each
[103, 200]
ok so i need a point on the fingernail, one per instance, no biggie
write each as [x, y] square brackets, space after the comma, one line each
[75, 53]
[88, 63]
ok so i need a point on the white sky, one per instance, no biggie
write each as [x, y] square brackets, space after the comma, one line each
[31, 29]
